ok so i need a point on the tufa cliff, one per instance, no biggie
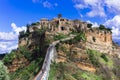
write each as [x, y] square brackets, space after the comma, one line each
[98, 38]
[92, 51]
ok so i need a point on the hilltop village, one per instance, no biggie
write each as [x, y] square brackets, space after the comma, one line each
[90, 55]
[98, 39]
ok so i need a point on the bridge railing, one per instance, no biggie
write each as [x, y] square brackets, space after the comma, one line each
[44, 72]
[50, 56]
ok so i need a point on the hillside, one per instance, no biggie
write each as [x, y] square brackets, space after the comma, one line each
[25, 62]
[75, 62]
[90, 55]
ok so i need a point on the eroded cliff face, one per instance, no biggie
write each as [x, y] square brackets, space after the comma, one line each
[31, 46]
[77, 59]
[18, 63]
[100, 40]
[75, 54]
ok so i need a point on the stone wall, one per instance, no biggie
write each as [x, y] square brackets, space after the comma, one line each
[60, 25]
[100, 40]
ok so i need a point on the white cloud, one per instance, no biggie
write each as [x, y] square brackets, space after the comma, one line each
[17, 29]
[7, 46]
[103, 9]
[7, 36]
[116, 32]
[91, 2]
[99, 8]
[79, 6]
[97, 11]
[114, 23]
[47, 4]
[94, 24]
[3, 46]
[12, 47]
[95, 6]
[9, 40]
[113, 4]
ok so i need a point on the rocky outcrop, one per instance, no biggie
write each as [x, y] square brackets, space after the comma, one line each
[100, 40]
[17, 64]
[76, 54]
[31, 46]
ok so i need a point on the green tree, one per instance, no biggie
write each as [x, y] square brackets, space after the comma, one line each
[59, 15]
[89, 25]
[102, 27]
[3, 72]
[28, 26]
[21, 34]
[9, 58]
[27, 54]
[109, 29]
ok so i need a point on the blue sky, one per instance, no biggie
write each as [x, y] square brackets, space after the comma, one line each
[15, 14]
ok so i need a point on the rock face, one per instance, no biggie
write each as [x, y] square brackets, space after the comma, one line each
[32, 39]
[18, 63]
[100, 40]
[76, 55]
[97, 39]
[31, 46]
[23, 41]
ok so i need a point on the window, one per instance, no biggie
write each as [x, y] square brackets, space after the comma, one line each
[62, 28]
[94, 39]
[61, 19]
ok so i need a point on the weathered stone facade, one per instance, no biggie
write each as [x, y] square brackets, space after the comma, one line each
[60, 25]
[97, 39]
[100, 40]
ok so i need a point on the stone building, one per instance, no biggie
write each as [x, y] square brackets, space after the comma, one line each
[97, 39]
[60, 25]
[44, 21]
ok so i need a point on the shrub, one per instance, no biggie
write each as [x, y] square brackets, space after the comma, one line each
[24, 34]
[92, 57]
[33, 24]
[59, 36]
[109, 29]
[89, 25]
[28, 26]
[102, 27]
[104, 57]
[9, 58]
[25, 52]
[59, 15]
[3, 72]
[90, 76]
[38, 32]
[28, 72]
[80, 36]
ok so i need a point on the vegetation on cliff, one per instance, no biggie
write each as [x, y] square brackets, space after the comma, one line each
[75, 62]
[3, 72]
[25, 62]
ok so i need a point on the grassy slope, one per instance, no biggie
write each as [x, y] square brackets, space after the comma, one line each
[103, 63]
[68, 71]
